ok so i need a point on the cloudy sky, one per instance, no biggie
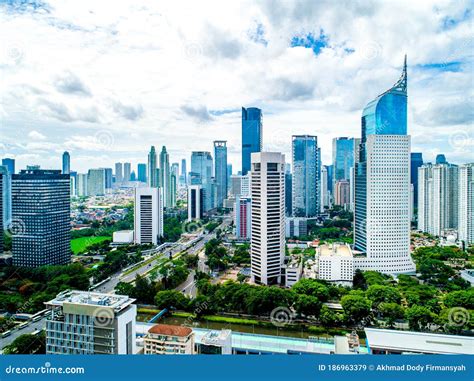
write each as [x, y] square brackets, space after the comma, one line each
[107, 79]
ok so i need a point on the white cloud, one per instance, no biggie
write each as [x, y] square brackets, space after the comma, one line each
[164, 74]
[35, 135]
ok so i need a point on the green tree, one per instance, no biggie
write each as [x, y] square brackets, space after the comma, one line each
[419, 317]
[328, 317]
[307, 305]
[27, 345]
[383, 294]
[356, 307]
[171, 299]
[391, 312]
[312, 287]
[359, 282]
[460, 299]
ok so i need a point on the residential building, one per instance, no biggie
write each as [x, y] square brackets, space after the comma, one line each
[152, 178]
[165, 339]
[220, 171]
[466, 204]
[85, 323]
[305, 176]
[40, 218]
[141, 169]
[82, 187]
[96, 182]
[148, 215]
[242, 217]
[108, 177]
[438, 198]
[66, 163]
[252, 131]
[342, 193]
[195, 202]
[382, 184]
[127, 172]
[335, 263]
[267, 188]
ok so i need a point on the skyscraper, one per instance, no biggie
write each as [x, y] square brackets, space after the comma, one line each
[195, 202]
[141, 168]
[441, 159]
[251, 135]
[108, 177]
[416, 161]
[243, 217]
[201, 174]
[6, 195]
[96, 182]
[118, 172]
[438, 198]
[466, 203]
[342, 193]
[183, 178]
[306, 172]
[174, 183]
[40, 218]
[2, 175]
[229, 173]
[82, 188]
[66, 163]
[10, 164]
[152, 178]
[220, 157]
[148, 215]
[165, 177]
[382, 184]
[342, 158]
[324, 189]
[267, 249]
[127, 172]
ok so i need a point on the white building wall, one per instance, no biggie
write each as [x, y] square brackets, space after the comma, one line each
[148, 215]
[466, 204]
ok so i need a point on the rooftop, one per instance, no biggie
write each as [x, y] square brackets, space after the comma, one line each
[335, 249]
[117, 302]
[170, 330]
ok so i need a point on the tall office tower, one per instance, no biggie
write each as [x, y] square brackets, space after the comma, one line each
[66, 163]
[352, 177]
[165, 177]
[416, 161]
[342, 158]
[152, 178]
[183, 177]
[148, 215]
[235, 185]
[96, 182]
[127, 171]
[220, 157]
[133, 176]
[438, 198]
[108, 177]
[242, 217]
[466, 204]
[141, 168]
[6, 195]
[382, 178]
[441, 159]
[324, 189]
[118, 172]
[86, 323]
[201, 173]
[10, 164]
[174, 183]
[252, 131]
[229, 173]
[267, 248]
[342, 193]
[306, 172]
[41, 218]
[195, 202]
[73, 185]
[2, 184]
[82, 188]
[288, 193]
[330, 179]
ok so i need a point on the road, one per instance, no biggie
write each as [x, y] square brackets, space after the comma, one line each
[40, 324]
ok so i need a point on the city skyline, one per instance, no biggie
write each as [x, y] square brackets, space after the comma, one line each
[73, 105]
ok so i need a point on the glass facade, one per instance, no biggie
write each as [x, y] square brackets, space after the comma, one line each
[201, 174]
[342, 158]
[416, 161]
[251, 135]
[220, 156]
[306, 173]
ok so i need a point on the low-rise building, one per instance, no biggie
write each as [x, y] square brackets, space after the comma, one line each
[335, 263]
[293, 270]
[164, 339]
[123, 237]
[216, 343]
[296, 227]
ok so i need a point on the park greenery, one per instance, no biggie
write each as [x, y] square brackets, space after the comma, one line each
[27, 345]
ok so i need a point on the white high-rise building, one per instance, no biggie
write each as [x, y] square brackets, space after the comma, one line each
[437, 198]
[82, 184]
[148, 215]
[267, 188]
[245, 186]
[118, 172]
[466, 203]
[85, 323]
[324, 189]
[195, 202]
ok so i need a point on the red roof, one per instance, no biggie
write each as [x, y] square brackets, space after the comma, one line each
[170, 330]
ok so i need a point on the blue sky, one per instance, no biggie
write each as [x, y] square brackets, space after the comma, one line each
[106, 82]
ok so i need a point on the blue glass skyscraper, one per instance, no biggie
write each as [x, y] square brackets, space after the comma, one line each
[10, 164]
[306, 173]
[220, 171]
[201, 174]
[342, 158]
[141, 172]
[416, 161]
[66, 163]
[251, 135]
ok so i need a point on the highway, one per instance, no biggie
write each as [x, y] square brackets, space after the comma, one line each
[37, 325]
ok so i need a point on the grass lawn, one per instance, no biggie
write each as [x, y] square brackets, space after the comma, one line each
[79, 245]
